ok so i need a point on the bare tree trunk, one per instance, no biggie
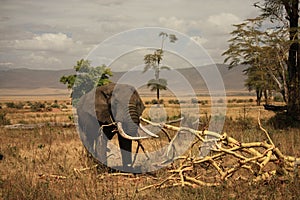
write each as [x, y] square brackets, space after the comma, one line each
[157, 95]
[292, 10]
[258, 96]
[266, 97]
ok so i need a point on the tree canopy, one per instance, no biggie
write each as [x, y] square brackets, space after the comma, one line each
[263, 50]
[269, 45]
[287, 12]
[86, 78]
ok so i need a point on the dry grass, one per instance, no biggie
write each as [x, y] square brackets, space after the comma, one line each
[39, 163]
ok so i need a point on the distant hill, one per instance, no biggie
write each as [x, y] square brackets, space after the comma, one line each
[34, 79]
[31, 79]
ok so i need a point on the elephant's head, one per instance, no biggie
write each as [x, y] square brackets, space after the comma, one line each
[119, 103]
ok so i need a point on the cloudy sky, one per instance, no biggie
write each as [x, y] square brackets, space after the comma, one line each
[41, 34]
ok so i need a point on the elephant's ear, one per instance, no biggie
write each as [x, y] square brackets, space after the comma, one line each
[86, 104]
[102, 102]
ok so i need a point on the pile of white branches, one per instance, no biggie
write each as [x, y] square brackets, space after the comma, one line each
[228, 160]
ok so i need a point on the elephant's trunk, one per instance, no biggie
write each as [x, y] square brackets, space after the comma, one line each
[133, 113]
[130, 126]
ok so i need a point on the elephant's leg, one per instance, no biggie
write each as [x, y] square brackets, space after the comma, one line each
[106, 133]
[101, 147]
[88, 129]
[125, 146]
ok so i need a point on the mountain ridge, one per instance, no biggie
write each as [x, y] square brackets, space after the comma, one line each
[23, 78]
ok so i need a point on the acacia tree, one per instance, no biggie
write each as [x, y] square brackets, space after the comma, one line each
[287, 11]
[248, 46]
[153, 61]
[86, 78]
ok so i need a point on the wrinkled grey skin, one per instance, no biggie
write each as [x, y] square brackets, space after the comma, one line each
[117, 102]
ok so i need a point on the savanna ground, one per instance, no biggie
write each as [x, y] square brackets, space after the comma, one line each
[41, 162]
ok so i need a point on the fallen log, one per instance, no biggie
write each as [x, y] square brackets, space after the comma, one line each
[38, 125]
[275, 108]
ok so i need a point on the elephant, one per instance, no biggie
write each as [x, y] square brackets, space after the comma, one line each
[107, 110]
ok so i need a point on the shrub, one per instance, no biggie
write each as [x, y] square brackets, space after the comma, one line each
[37, 106]
[19, 105]
[194, 100]
[154, 101]
[64, 106]
[49, 109]
[172, 101]
[55, 105]
[3, 119]
[10, 104]
[202, 102]
[278, 98]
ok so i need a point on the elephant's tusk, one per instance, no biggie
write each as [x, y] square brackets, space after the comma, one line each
[124, 135]
[175, 120]
[147, 131]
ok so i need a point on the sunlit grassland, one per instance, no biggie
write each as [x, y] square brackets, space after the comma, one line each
[39, 163]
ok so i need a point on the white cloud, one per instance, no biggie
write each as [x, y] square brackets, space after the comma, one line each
[40, 59]
[212, 32]
[200, 40]
[180, 24]
[216, 23]
[47, 42]
[7, 64]
[174, 23]
[49, 50]
[223, 21]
